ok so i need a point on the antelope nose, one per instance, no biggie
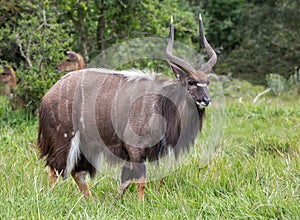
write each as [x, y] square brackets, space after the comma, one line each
[57, 69]
[206, 101]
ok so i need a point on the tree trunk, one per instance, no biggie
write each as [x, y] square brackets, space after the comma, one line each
[101, 27]
[83, 33]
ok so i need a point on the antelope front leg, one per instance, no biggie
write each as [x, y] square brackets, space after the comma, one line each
[141, 184]
[139, 170]
[80, 179]
[126, 178]
[123, 186]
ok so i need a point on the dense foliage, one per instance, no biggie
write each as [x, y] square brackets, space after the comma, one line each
[269, 42]
[253, 38]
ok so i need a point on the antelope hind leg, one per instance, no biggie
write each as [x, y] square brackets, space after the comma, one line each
[53, 175]
[80, 179]
[126, 178]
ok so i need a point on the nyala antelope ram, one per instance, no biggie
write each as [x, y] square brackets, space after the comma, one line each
[99, 112]
[73, 62]
[8, 77]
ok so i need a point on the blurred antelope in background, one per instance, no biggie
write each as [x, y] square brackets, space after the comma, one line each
[73, 62]
[8, 77]
[99, 112]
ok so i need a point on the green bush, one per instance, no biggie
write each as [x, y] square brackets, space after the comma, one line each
[277, 83]
[41, 38]
[269, 32]
[34, 84]
[293, 82]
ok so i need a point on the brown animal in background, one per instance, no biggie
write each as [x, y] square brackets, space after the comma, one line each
[8, 77]
[95, 112]
[73, 62]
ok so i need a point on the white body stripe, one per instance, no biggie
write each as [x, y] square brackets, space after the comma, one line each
[82, 102]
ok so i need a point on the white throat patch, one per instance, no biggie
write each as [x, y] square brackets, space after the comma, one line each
[201, 84]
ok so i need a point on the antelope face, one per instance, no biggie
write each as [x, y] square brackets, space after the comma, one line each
[195, 80]
[5, 76]
[67, 66]
[199, 92]
[196, 86]
[70, 64]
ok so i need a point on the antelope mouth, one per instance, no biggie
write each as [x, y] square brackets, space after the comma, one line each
[58, 71]
[202, 105]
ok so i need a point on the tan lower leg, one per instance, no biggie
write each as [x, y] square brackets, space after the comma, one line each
[141, 184]
[53, 175]
[123, 186]
[80, 179]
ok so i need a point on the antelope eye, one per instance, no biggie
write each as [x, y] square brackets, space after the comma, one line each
[191, 82]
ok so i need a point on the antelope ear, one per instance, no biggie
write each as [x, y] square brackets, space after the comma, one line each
[72, 55]
[178, 72]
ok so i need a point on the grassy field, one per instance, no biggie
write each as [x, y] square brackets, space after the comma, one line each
[255, 176]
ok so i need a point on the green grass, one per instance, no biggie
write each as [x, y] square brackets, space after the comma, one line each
[255, 176]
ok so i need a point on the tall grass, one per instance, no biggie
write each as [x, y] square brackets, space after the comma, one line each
[255, 176]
